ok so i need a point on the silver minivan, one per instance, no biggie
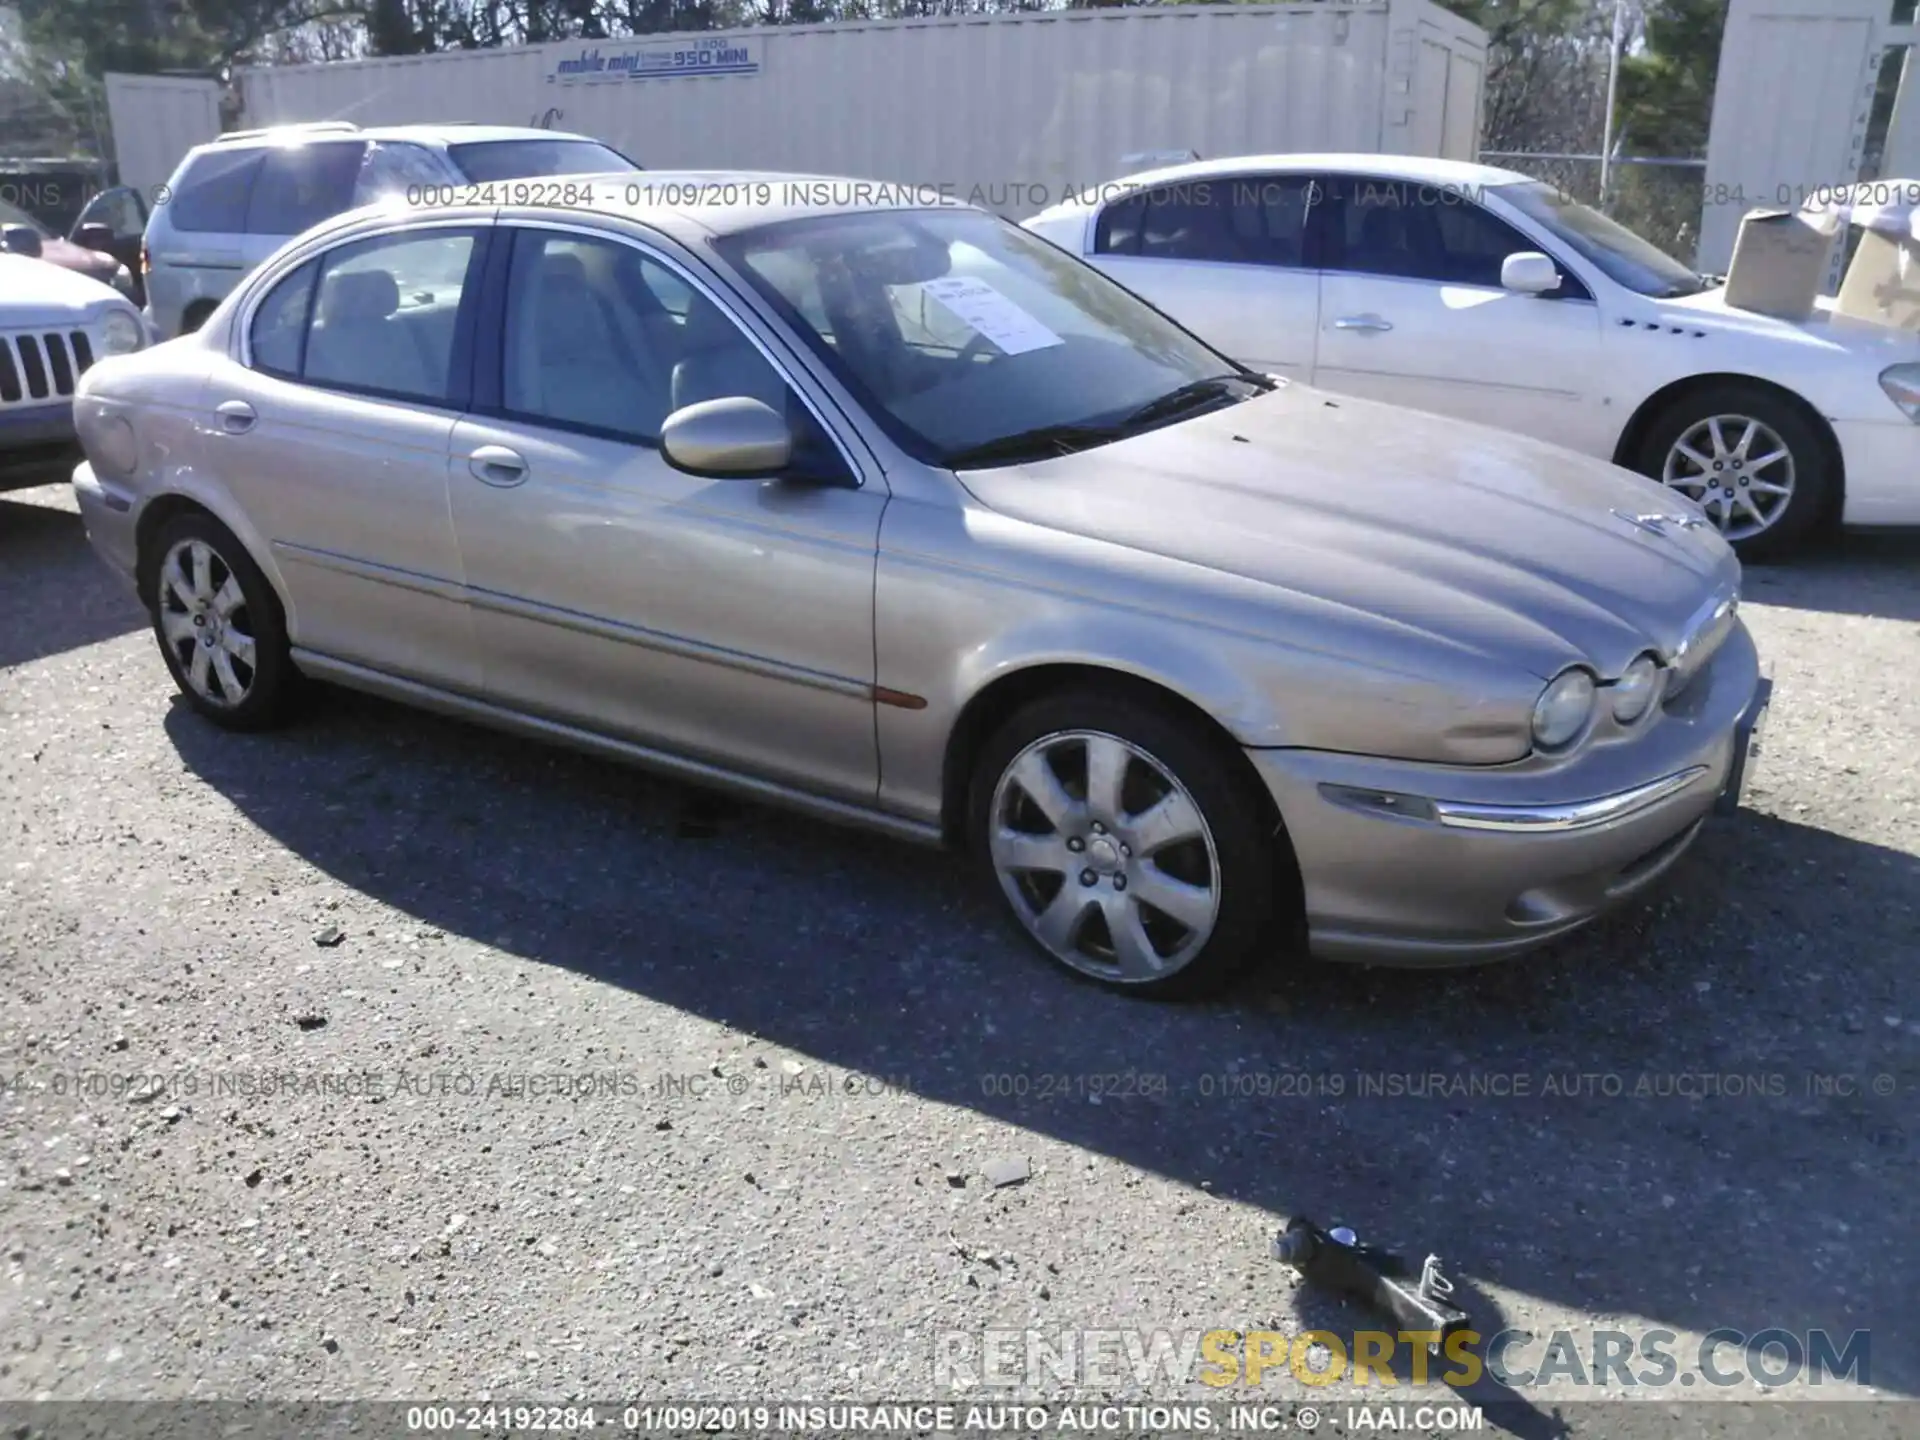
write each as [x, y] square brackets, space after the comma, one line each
[234, 201]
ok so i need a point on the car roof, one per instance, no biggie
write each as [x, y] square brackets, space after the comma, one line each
[445, 133]
[689, 203]
[1415, 169]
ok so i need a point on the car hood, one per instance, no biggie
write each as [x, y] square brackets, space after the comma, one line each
[1510, 548]
[1823, 330]
[35, 290]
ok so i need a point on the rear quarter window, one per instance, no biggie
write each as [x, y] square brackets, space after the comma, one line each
[486, 160]
[213, 191]
[298, 186]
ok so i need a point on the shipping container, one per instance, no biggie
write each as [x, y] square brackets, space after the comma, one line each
[1011, 111]
[156, 119]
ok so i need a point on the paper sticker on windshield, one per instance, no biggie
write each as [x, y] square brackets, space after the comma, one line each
[986, 310]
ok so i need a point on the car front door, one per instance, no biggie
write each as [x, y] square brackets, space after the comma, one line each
[121, 214]
[329, 423]
[1412, 311]
[1227, 257]
[730, 620]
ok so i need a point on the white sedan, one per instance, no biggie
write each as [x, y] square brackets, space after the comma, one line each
[1480, 293]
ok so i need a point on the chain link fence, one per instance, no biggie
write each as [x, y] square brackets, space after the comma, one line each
[1658, 199]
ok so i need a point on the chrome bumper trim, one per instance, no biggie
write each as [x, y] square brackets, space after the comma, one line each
[1576, 815]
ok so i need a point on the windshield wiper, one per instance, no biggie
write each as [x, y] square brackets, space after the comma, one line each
[1189, 397]
[1043, 442]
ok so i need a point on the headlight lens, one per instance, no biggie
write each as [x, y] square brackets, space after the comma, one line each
[119, 333]
[1902, 384]
[1633, 692]
[1563, 709]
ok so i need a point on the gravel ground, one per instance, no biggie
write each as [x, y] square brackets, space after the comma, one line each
[346, 948]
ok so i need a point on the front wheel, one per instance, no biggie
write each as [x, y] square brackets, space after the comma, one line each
[1125, 844]
[1750, 459]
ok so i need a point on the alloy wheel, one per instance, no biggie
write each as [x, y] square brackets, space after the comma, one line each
[1105, 855]
[204, 623]
[1737, 469]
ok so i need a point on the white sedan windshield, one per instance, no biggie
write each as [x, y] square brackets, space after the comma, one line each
[960, 332]
[1625, 258]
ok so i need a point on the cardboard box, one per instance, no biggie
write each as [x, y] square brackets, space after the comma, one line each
[1779, 262]
[1883, 282]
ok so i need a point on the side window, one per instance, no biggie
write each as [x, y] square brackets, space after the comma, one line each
[384, 315]
[119, 210]
[1117, 232]
[1425, 232]
[592, 341]
[212, 195]
[301, 185]
[280, 323]
[392, 167]
[1236, 219]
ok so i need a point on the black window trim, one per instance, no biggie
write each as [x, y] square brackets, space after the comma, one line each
[460, 358]
[1336, 199]
[1310, 248]
[488, 394]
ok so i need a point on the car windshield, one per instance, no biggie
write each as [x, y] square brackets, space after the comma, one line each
[484, 160]
[14, 215]
[974, 343]
[1624, 257]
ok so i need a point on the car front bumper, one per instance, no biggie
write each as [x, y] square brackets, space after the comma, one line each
[1882, 460]
[1415, 864]
[37, 444]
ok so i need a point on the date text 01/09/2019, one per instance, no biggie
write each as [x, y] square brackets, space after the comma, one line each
[1789, 196]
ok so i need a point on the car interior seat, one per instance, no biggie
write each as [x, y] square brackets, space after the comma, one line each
[355, 339]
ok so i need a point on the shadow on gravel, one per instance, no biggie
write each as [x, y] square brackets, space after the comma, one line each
[1857, 572]
[1674, 1116]
[54, 592]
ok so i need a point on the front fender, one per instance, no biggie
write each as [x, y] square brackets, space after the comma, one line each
[954, 617]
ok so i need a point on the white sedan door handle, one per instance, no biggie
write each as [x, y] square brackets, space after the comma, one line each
[497, 465]
[1362, 322]
[236, 416]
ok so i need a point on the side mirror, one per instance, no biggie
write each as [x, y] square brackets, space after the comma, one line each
[732, 439]
[93, 236]
[20, 240]
[1528, 272]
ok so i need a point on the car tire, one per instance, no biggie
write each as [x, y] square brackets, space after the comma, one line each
[219, 625]
[1080, 872]
[1731, 427]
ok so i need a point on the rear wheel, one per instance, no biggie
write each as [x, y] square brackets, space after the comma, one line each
[1750, 459]
[219, 625]
[1124, 842]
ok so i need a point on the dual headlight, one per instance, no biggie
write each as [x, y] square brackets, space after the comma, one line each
[120, 334]
[1902, 384]
[1565, 709]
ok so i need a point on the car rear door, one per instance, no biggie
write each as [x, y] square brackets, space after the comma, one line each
[725, 619]
[329, 425]
[1412, 311]
[1226, 256]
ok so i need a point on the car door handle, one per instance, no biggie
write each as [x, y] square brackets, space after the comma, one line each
[236, 416]
[1362, 322]
[497, 465]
